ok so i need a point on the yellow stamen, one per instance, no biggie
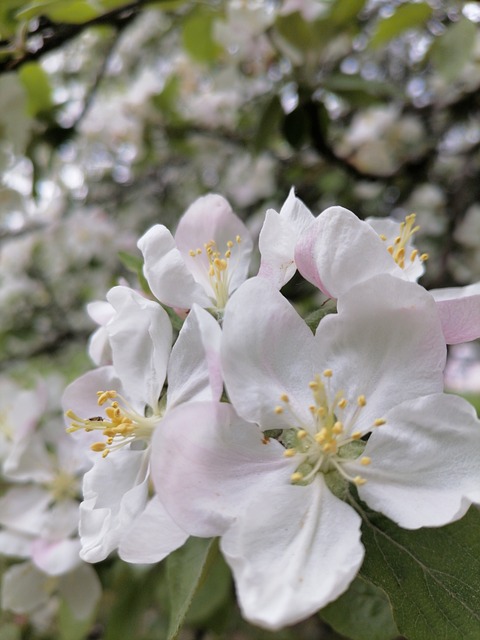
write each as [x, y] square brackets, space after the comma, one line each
[365, 460]
[361, 400]
[289, 453]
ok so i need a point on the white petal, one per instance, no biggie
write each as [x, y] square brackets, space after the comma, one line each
[338, 251]
[24, 508]
[166, 272]
[115, 493]
[292, 551]
[24, 588]
[385, 343]
[425, 469]
[152, 536]
[81, 590]
[278, 237]
[459, 310]
[141, 338]
[194, 371]
[206, 462]
[14, 544]
[56, 558]
[267, 351]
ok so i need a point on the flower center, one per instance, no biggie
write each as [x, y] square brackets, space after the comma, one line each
[398, 248]
[217, 268]
[63, 486]
[330, 439]
[121, 426]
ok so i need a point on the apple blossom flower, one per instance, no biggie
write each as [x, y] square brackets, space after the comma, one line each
[99, 349]
[338, 251]
[117, 511]
[278, 238]
[206, 260]
[361, 402]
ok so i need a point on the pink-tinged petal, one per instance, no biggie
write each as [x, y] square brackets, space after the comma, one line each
[152, 536]
[206, 463]
[338, 251]
[459, 311]
[425, 462]
[194, 371]
[56, 558]
[24, 508]
[141, 339]
[385, 343]
[115, 493]
[278, 237]
[211, 218]
[267, 351]
[24, 588]
[292, 551]
[166, 272]
[81, 590]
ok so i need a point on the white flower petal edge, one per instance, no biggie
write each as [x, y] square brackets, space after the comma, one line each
[140, 335]
[339, 250]
[166, 272]
[425, 469]
[152, 536]
[459, 311]
[294, 550]
[278, 237]
[194, 370]
[207, 462]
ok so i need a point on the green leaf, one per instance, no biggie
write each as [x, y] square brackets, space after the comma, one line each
[186, 570]
[197, 37]
[313, 319]
[407, 16]
[66, 11]
[269, 123]
[37, 84]
[212, 595]
[69, 627]
[343, 11]
[135, 264]
[296, 31]
[451, 51]
[361, 613]
[431, 576]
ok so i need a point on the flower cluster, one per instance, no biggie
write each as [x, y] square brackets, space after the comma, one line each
[248, 426]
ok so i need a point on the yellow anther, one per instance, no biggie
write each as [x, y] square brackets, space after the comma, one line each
[398, 238]
[413, 255]
[337, 428]
[296, 477]
[289, 453]
[390, 249]
[379, 422]
[228, 254]
[211, 271]
[328, 373]
[424, 257]
[342, 403]
[103, 396]
[301, 434]
[192, 253]
[284, 398]
[278, 410]
[199, 251]
[105, 453]
[365, 460]
[229, 244]
[330, 447]
[356, 435]
[358, 480]
[97, 447]
[238, 239]
[71, 429]
[361, 401]
[312, 408]
[383, 237]
[313, 384]
[321, 435]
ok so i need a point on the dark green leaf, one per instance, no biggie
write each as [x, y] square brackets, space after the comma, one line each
[343, 11]
[212, 594]
[313, 319]
[297, 31]
[186, 570]
[296, 126]
[66, 11]
[407, 16]
[362, 613]
[269, 123]
[431, 576]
